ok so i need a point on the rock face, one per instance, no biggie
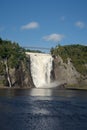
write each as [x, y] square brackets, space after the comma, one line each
[20, 76]
[65, 73]
[23, 75]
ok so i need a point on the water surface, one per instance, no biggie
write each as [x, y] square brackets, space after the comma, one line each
[43, 109]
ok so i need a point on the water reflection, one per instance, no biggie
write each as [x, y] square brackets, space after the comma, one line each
[41, 92]
[44, 92]
[43, 109]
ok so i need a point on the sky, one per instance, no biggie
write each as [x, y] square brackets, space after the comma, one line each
[44, 23]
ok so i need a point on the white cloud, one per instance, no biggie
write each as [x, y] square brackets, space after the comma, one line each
[31, 25]
[80, 24]
[53, 37]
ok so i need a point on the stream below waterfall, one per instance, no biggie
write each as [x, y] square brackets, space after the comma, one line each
[43, 109]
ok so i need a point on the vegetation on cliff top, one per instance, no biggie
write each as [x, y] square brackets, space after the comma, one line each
[11, 55]
[12, 52]
[77, 53]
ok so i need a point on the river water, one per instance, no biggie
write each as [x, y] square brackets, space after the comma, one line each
[43, 109]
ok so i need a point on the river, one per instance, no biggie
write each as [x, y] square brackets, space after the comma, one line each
[43, 109]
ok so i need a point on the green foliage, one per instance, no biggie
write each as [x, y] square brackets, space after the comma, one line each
[77, 53]
[12, 52]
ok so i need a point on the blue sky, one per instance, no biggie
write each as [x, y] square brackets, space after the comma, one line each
[44, 23]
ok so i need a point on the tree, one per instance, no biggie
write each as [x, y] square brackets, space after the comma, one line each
[11, 54]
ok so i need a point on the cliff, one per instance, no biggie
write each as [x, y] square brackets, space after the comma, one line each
[14, 66]
[20, 76]
[66, 74]
[70, 64]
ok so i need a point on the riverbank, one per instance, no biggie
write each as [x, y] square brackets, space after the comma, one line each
[76, 87]
[5, 87]
[69, 87]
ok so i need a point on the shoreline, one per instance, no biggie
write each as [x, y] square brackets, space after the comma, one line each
[66, 88]
[5, 87]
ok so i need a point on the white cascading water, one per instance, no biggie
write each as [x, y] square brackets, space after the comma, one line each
[41, 66]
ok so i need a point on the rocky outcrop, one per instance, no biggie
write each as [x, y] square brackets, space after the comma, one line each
[66, 73]
[20, 76]
[23, 75]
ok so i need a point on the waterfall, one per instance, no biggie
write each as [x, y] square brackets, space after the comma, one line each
[41, 66]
